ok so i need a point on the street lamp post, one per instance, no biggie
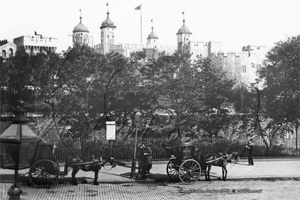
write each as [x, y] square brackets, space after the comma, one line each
[133, 165]
[18, 132]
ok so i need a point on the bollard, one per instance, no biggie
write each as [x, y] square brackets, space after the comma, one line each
[14, 193]
[133, 166]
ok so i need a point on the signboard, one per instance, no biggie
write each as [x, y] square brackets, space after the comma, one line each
[110, 130]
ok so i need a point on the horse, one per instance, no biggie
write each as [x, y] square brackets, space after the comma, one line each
[95, 165]
[220, 161]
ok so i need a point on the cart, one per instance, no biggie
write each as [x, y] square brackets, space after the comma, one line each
[44, 168]
[183, 163]
[186, 163]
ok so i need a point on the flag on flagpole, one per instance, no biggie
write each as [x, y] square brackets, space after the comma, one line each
[138, 8]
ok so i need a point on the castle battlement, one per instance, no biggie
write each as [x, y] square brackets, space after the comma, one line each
[116, 46]
[36, 40]
[162, 48]
[133, 46]
[198, 43]
[240, 54]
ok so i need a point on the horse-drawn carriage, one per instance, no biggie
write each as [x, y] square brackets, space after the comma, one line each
[45, 170]
[187, 163]
[183, 163]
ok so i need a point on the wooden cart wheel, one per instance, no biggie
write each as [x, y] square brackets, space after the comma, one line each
[172, 170]
[189, 171]
[43, 172]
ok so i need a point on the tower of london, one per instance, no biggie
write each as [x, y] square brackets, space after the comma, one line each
[242, 66]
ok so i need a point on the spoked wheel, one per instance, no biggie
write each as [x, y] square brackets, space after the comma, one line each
[189, 171]
[172, 170]
[43, 172]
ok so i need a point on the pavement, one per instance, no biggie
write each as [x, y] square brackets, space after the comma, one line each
[262, 169]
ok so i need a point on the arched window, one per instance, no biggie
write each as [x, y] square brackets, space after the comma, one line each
[11, 52]
[3, 54]
[244, 69]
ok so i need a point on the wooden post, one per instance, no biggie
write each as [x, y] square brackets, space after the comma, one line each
[297, 140]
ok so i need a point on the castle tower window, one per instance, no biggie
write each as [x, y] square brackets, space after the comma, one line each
[11, 52]
[244, 69]
[3, 54]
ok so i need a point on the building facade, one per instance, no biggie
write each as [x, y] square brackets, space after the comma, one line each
[36, 43]
[7, 49]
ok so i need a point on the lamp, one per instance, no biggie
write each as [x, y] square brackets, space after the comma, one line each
[16, 134]
[133, 166]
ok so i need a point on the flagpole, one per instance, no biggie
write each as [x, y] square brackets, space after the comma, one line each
[141, 26]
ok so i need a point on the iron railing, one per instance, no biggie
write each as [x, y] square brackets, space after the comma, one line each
[124, 150]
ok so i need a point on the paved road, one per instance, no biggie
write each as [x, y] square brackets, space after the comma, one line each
[280, 177]
[172, 191]
[121, 174]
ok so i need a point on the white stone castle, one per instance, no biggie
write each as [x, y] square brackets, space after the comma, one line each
[241, 65]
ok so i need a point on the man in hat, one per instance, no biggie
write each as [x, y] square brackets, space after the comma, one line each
[249, 147]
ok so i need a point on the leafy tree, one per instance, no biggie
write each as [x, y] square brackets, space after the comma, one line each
[282, 73]
[18, 81]
[279, 105]
[196, 97]
[213, 103]
[93, 88]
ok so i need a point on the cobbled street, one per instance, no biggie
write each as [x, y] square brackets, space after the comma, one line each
[247, 189]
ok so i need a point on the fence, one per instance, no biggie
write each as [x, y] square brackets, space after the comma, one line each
[124, 150]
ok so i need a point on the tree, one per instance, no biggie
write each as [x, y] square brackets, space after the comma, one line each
[282, 74]
[18, 82]
[92, 88]
[196, 96]
[213, 102]
[168, 77]
[280, 99]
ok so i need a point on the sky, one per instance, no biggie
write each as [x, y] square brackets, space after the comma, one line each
[233, 23]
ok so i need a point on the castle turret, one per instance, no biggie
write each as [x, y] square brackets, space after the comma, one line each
[152, 38]
[107, 33]
[183, 37]
[80, 33]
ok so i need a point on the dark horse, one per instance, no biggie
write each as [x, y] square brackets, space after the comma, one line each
[95, 165]
[220, 161]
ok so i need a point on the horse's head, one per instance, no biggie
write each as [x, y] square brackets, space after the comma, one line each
[109, 160]
[233, 157]
[113, 162]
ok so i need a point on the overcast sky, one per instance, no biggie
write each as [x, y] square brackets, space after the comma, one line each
[234, 23]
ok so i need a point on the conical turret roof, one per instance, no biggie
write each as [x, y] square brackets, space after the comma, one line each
[80, 27]
[184, 29]
[152, 35]
[108, 23]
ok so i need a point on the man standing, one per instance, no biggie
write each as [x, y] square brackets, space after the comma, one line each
[249, 146]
